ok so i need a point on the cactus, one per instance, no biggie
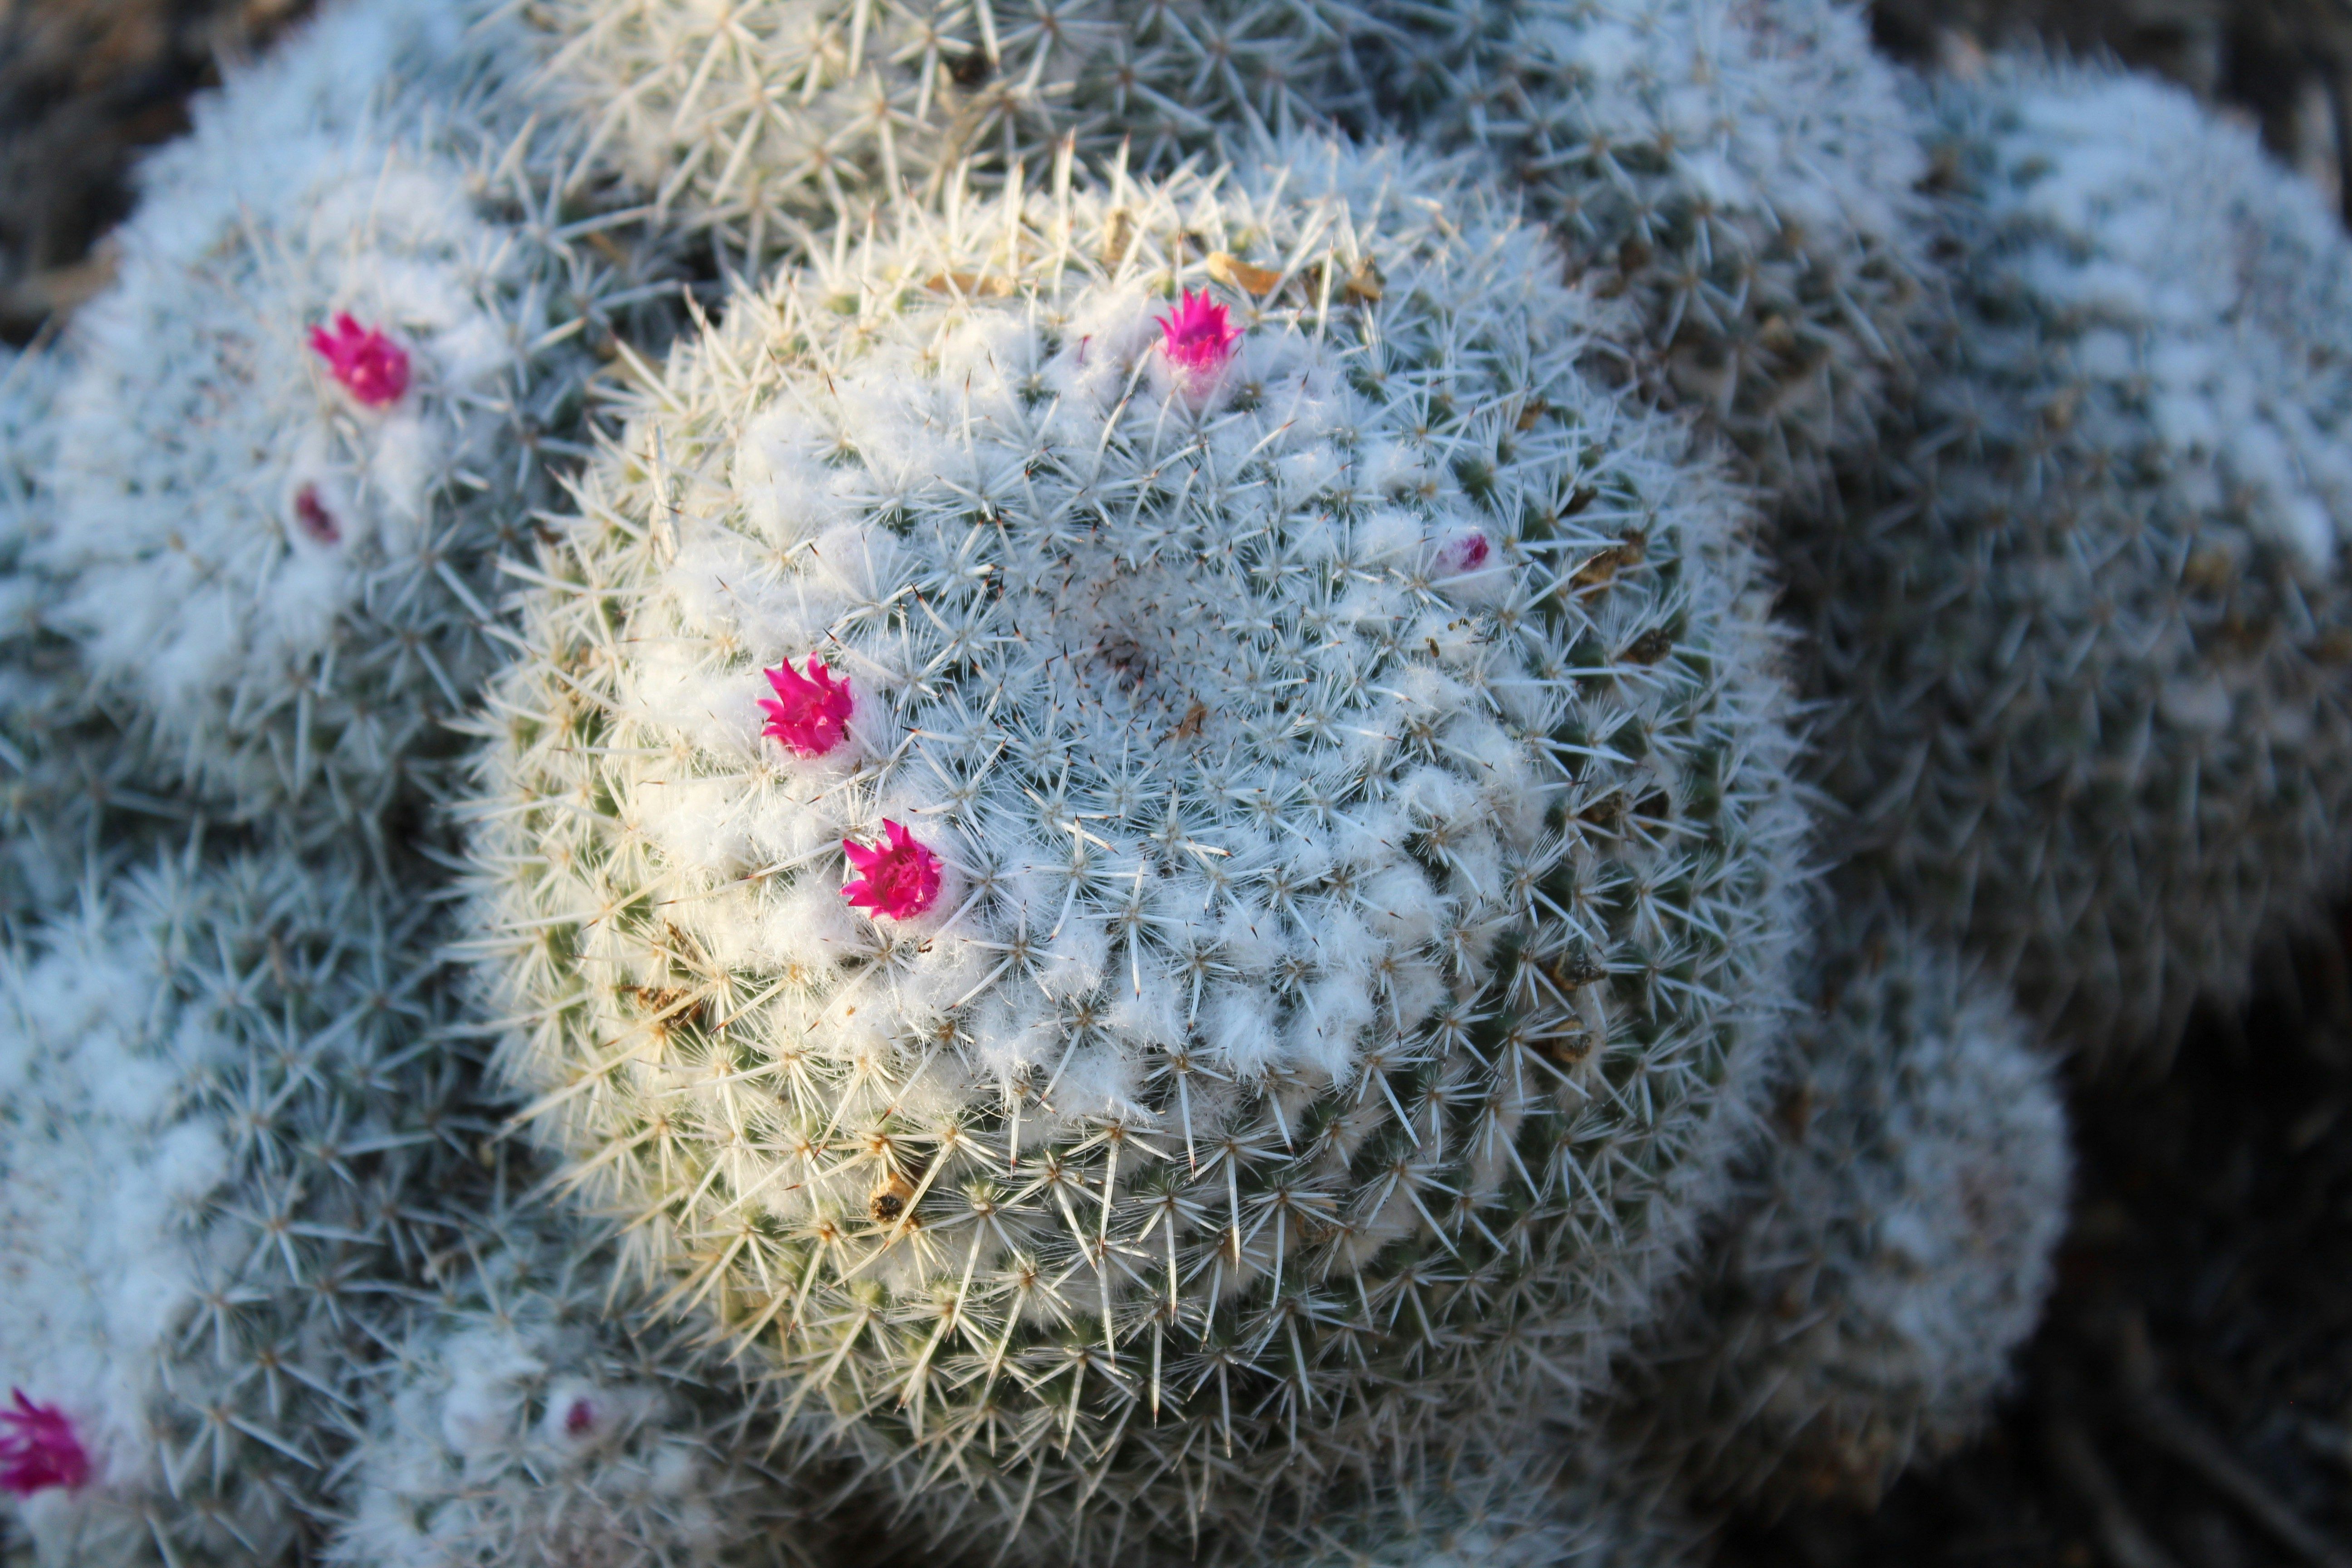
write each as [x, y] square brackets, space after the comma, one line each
[1530, 1509]
[1322, 827]
[345, 341]
[1742, 172]
[528, 1420]
[2082, 621]
[1858, 1308]
[215, 1129]
[46, 830]
[758, 123]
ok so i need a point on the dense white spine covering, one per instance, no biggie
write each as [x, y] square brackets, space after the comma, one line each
[2084, 619]
[275, 578]
[216, 1130]
[1859, 1308]
[1742, 170]
[1364, 800]
[761, 121]
[533, 1418]
[46, 834]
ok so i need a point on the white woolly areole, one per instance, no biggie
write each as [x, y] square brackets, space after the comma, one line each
[1360, 797]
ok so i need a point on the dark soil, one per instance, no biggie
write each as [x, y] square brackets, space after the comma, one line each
[84, 86]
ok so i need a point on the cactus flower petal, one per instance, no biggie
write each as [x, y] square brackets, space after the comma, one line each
[897, 879]
[38, 1449]
[371, 367]
[810, 712]
[1200, 340]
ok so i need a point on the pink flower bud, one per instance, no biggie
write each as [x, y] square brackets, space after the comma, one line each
[810, 712]
[1463, 553]
[310, 514]
[371, 367]
[898, 878]
[1199, 339]
[580, 1419]
[38, 1449]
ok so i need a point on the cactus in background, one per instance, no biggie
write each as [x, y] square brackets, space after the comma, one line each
[1742, 172]
[350, 333]
[529, 1420]
[1321, 827]
[216, 1127]
[2083, 623]
[1528, 1508]
[761, 124]
[1858, 1308]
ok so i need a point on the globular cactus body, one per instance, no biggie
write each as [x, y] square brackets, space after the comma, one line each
[1741, 172]
[760, 124]
[347, 337]
[1859, 1307]
[532, 1419]
[214, 1132]
[2081, 621]
[1323, 844]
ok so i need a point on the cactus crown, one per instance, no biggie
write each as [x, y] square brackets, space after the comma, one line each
[1358, 811]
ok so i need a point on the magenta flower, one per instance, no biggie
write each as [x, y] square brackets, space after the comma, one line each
[1199, 339]
[810, 712]
[579, 1420]
[898, 878]
[371, 367]
[38, 1449]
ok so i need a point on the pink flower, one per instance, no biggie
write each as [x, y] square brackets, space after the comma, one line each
[580, 1419]
[1465, 552]
[1199, 339]
[371, 367]
[810, 711]
[898, 878]
[38, 1449]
